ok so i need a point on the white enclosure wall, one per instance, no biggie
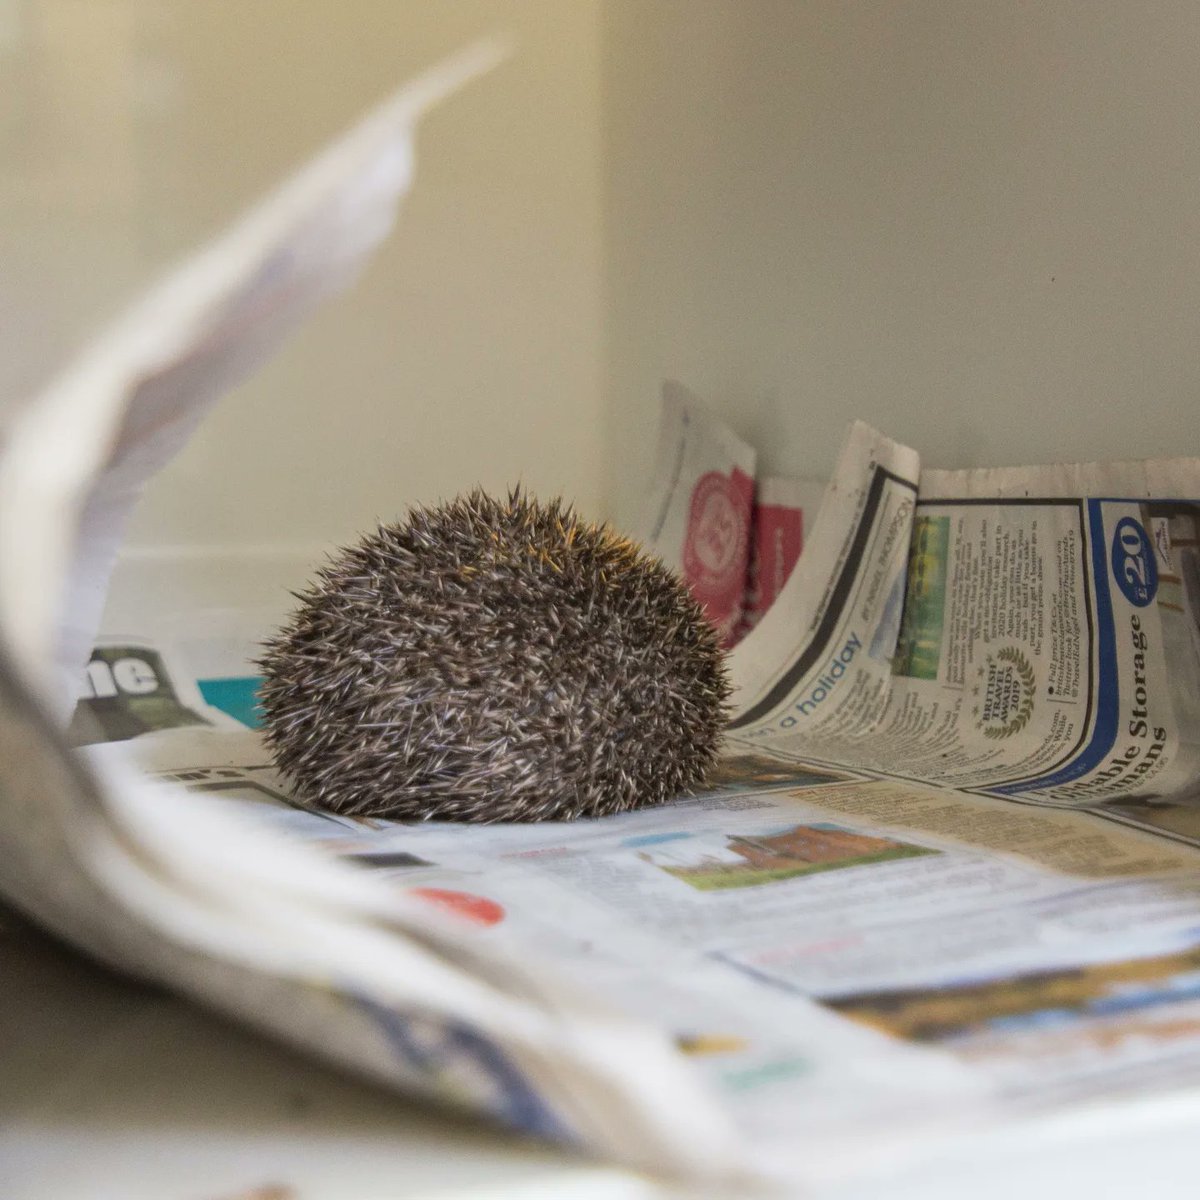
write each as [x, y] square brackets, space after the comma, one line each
[975, 224]
[972, 223]
[470, 352]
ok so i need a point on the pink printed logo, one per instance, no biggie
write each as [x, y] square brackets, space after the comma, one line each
[717, 543]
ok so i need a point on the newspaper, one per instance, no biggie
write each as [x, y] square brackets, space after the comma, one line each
[699, 510]
[1027, 633]
[777, 530]
[943, 883]
[733, 537]
[176, 887]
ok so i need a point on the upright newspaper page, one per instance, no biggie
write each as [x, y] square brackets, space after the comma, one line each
[1040, 642]
[1093, 684]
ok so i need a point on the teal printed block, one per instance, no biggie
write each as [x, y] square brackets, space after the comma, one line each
[237, 696]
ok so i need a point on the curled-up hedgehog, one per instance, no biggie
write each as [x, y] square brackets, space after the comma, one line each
[494, 660]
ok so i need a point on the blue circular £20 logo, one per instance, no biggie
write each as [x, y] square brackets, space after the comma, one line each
[1133, 563]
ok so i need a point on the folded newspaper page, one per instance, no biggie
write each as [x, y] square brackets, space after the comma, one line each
[776, 540]
[1035, 636]
[179, 887]
[733, 537]
[943, 884]
[699, 510]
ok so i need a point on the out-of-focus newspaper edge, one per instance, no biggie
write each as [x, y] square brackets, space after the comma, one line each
[169, 886]
[898, 917]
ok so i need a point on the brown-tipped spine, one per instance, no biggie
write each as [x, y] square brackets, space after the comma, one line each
[494, 659]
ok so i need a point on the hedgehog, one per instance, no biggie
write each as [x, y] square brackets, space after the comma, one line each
[493, 659]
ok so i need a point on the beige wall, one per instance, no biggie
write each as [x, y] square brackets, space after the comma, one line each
[972, 223]
[470, 352]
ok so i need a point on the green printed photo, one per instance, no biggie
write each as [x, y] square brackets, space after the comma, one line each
[1110, 1003]
[712, 862]
[918, 651]
[750, 772]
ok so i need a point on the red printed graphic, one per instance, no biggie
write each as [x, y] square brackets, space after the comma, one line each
[717, 543]
[778, 540]
[479, 910]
